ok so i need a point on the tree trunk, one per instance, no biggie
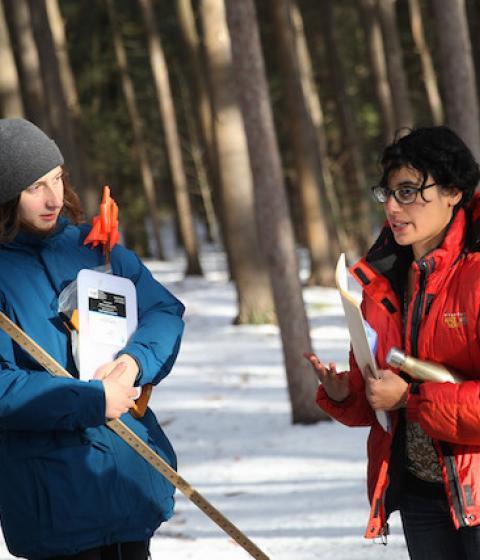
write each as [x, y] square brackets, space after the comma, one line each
[457, 71]
[140, 147]
[395, 69]
[172, 141]
[355, 201]
[191, 41]
[428, 71]
[473, 18]
[90, 195]
[66, 74]
[276, 232]
[203, 104]
[62, 126]
[336, 228]
[376, 54]
[198, 160]
[306, 151]
[10, 96]
[249, 267]
[27, 61]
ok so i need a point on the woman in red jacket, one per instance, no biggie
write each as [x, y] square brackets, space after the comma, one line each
[421, 292]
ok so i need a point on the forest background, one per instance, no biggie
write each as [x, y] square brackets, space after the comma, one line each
[256, 126]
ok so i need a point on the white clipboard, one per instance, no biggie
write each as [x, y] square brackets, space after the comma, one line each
[107, 314]
[356, 327]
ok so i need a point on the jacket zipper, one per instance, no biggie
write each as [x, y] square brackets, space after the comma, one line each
[417, 309]
[453, 480]
[454, 484]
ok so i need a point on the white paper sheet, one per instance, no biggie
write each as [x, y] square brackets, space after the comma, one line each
[356, 327]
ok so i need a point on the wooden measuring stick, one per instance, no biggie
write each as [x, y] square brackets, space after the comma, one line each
[137, 444]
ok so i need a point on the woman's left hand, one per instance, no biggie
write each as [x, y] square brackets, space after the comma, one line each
[128, 376]
[388, 392]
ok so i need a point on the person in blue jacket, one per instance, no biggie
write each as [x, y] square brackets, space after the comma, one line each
[69, 487]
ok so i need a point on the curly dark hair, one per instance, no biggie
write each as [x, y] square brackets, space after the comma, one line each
[10, 223]
[436, 151]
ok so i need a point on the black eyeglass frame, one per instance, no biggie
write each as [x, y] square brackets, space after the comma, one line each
[390, 192]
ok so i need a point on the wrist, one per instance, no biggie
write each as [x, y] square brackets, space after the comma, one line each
[340, 398]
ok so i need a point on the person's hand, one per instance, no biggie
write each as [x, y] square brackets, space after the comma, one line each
[335, 384]
[118, 395]
[129, 374]
[388, 392]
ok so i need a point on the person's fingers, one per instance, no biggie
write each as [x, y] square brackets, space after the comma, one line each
[118, 370]
[106, 369]
[313, 359]
[132, 392]
[333, 369]
[101, 373]
[322, 372]
[129, 404]
[370, 381]
[369, 373]
[327, 375]
[319, 368]
[330, 372]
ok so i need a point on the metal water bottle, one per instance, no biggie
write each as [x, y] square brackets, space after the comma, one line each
[420, 369]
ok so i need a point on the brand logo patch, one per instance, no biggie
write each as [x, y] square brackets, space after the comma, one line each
[455, 320]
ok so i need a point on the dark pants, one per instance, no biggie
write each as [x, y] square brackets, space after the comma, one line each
[123, 551]
[430, 533]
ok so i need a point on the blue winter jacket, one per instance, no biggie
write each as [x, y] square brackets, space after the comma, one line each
[67, 483]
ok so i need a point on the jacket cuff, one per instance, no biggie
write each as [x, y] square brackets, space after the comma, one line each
[93, 404]
[322, 396]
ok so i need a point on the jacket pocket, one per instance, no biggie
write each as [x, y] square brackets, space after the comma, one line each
[151, 492]
[79, 488]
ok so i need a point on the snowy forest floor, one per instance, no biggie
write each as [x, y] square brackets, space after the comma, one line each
[297, 491]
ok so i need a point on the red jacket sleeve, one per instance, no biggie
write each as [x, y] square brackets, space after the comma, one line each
[448, 411]
[355, 409]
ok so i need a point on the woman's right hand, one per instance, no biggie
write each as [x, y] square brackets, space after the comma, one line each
[118, 396]
[335, 384]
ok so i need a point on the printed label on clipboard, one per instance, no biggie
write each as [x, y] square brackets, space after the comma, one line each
[107, 317]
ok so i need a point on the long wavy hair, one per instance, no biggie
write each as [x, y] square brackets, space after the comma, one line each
[10, 223]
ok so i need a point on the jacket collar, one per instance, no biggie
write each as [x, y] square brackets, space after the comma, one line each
[473, 221]
[29, 239]
[386, 264]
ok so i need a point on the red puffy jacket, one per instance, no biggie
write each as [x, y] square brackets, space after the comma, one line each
[442, 325]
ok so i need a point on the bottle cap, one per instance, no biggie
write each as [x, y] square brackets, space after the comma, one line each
[395, 357]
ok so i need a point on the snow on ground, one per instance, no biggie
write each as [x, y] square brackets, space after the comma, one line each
[297, 491]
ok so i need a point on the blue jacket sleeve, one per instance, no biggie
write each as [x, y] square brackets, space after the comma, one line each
[35, 400]
[156, 342]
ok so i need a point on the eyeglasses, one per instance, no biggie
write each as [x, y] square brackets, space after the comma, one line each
[403, 195]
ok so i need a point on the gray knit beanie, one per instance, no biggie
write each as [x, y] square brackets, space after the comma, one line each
[26, 154]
